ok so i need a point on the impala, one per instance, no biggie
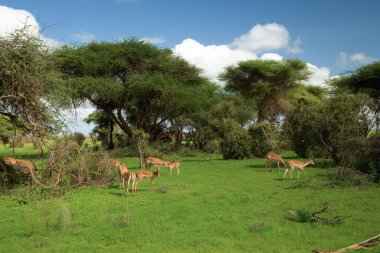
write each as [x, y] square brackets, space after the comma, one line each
[171, 165]
[127, 177]
[148, 174]
[299, 165]
[122, 168]
[21, 163]
[157, 162]
[273, 156]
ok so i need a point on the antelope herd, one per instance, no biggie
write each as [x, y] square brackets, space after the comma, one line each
[292, 164]
[127, 176]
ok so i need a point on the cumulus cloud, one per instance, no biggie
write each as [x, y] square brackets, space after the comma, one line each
[263, 37]
[319, 76]
[345, 60]
[212, 58]
[13, 19]
[361, 58]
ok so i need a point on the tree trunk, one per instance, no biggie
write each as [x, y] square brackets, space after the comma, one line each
[111, 144]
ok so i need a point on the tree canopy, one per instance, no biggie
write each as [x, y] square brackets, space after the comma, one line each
[266, 82]
[135, 83]
[28, 84]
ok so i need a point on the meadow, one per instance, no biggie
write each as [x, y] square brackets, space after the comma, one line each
[212, 206]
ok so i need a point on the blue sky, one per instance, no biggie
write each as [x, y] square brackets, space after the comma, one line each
[332, 36]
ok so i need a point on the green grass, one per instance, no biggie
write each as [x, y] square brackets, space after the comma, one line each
[209, 207]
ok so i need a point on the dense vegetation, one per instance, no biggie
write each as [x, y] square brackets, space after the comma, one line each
[150, 102]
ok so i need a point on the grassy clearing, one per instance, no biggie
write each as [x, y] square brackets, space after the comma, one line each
[209, 207]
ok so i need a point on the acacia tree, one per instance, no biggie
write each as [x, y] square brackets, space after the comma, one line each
[30, 97]
[134, 82]
[266, 83]
[28, 84]
[365, 79]
[328, 126]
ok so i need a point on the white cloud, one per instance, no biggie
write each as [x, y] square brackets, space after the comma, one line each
[13, 19]
[295, 48]
[345, 60]
[263, 37]
[154, 40]
[84, 37]
[318, 75]
[271, 56]
[213, 58]
[361, 58]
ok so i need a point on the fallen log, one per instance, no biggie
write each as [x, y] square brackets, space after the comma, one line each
[369, 243]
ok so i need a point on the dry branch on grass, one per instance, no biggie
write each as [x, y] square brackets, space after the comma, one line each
[369, 243]
[321, 216]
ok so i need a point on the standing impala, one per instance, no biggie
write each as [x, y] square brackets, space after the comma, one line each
[299, 165]
[127, 177]
[148, 174]
[171, 165]
[273, 156]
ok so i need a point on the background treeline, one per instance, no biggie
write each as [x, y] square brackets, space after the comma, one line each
[137, 87]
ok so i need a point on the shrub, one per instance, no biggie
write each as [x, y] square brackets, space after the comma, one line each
[236, 144]
[264, 135]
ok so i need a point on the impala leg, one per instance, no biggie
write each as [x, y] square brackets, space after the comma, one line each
[152, 182]
[177, 170]
[286, 171]
[278, 166]
[298, 174]
[305, 173]
[125, 188]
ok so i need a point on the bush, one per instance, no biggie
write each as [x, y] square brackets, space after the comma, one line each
[264, 136]
[75, 166]
[363, 154]
[236, 144]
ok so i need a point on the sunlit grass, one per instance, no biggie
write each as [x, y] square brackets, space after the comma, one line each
[210, 207]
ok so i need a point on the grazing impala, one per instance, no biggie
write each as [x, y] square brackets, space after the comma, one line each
[299, 165]
[127, 177]
[273, 156]
[171, 165]
[157, 162]
[148, 174]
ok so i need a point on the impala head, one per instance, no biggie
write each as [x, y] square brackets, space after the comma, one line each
[311, 162]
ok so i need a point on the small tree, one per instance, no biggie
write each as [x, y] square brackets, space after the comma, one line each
[327, 126]
[236, 143]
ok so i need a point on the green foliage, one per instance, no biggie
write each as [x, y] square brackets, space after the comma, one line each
[365, 79]
[135, 83]
[28, 84]
[266, 83]
[236, 142]
[324, 128]
[264, 138]
[363, 154]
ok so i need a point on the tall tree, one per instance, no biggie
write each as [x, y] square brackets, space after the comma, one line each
[266, 82]
[28, 90]
[134, 82]
[365, 79]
